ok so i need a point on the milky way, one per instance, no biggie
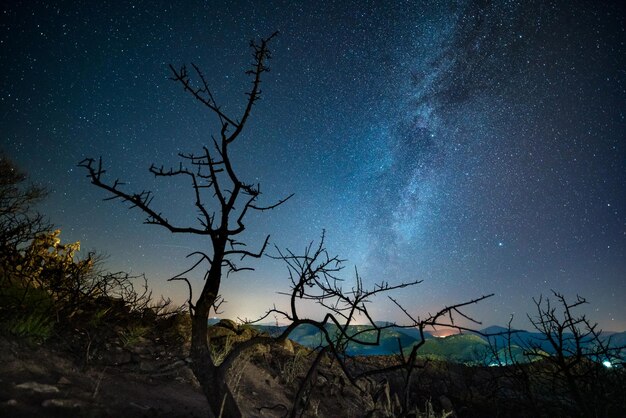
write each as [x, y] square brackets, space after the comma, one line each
[478, 146]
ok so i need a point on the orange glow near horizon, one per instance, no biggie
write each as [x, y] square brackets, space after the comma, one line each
[443, 332]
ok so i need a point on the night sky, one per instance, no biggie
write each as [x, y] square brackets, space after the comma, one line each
[478, 146]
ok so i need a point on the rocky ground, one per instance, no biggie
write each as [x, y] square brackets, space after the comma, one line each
[149, 376]
[148, 379]
[43, 382]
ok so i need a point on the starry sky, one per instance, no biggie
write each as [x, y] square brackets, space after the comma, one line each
[478, 146]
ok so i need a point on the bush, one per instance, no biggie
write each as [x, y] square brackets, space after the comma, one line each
[45, 286]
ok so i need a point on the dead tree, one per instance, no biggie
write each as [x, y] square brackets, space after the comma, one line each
[314, 276]
[563, 369]
[407, 364]
[222, 201]
[573, 348]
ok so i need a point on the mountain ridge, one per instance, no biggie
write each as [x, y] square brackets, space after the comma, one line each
[467, 347]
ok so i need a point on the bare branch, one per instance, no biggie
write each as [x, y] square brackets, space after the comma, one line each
[181, 75]
[140, 200]
[245, 253]
[190, 297]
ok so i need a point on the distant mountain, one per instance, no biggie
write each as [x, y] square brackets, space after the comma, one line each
[310, 336]
[535, 339]
[494, 329]
[618, 339]
[460, 348]
[415, 333]
[468, 347]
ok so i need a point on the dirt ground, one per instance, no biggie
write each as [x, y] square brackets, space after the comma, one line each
[37, 381]
[43, 381]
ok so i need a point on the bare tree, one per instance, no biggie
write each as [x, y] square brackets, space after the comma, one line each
[444, 318]
[563, 370]
[222, 201]
[573, 346]
[314, 277]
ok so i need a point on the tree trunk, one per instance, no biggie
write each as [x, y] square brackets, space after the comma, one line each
[213, 382]
[212, 378]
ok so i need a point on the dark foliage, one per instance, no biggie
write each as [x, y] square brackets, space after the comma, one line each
[568, 366]
[20, 222]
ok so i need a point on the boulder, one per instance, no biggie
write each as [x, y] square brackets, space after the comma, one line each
[220, 332]
[228, 324]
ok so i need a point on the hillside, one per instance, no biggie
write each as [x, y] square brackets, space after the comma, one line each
[461, 348]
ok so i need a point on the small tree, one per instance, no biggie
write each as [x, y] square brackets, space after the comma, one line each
[314, 277]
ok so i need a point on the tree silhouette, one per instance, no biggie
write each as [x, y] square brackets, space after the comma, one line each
[579, 349]
[563, 368]
[222, 200]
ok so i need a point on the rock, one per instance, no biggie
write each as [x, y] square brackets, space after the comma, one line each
[287, 345]
[38, 387]
[446, 404]
[148, 366]
[216, 331]
[116, 357]
[64, 381]
[228, 324]
[11, 402]
[247, 333]
[141, 349]
[62, 403]
[176, 364]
